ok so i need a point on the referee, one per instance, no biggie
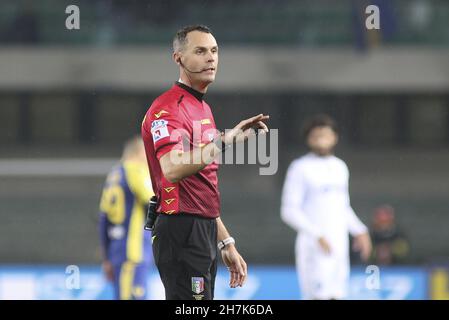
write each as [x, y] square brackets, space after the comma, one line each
[182, 145]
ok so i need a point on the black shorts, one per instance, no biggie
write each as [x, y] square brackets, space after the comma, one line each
[185, 253]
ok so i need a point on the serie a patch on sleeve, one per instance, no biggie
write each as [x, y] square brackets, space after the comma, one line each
[159, 129]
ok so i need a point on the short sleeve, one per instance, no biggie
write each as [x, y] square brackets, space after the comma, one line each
[166, 129]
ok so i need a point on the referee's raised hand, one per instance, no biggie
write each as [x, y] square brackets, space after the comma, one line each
[246, 129]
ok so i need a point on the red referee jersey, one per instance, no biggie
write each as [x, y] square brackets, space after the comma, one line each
[179, 119]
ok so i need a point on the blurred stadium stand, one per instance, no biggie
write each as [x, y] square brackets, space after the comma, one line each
[68, 95]
[305, 23]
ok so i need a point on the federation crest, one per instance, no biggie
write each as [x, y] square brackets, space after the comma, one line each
[197, 284]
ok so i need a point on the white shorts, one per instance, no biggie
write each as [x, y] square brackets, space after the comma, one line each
[321, 276]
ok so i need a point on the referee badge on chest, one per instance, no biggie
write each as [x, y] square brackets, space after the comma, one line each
[198, 287]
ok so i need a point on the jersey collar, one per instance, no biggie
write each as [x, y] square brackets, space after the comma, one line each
[198, 95]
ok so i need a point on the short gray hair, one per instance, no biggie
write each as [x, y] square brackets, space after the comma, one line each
[180, 39]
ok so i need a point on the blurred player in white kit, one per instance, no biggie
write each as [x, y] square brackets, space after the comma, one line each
[315, 203]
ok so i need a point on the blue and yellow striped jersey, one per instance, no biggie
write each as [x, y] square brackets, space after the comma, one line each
[122, 214]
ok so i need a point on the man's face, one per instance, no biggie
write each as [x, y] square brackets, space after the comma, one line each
[322, 140]
[200, 54]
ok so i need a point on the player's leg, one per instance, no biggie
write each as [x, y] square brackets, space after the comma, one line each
[335, 270]
[326, 275]
[304, 267]
[340, 288]
[116, 282]
[139, 287]
[317, 270]
[126, 280]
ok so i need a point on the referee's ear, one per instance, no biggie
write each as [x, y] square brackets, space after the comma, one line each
[177, 58]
